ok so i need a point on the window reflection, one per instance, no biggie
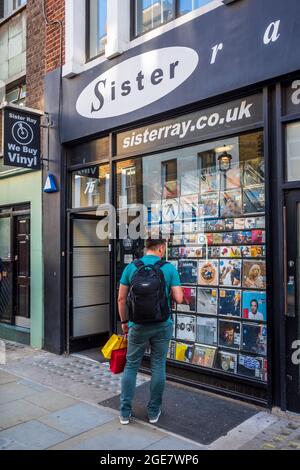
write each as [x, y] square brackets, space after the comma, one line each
[90, 186]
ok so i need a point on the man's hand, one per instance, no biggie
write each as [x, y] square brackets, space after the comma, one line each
[125, 328]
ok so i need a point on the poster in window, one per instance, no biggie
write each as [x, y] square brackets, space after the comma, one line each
[227, 361]
[229, 224]
[258, 236]
[187, 271]
[239, 224]
[207, 300]
[242, 237]
[173, 252]
[217, 238]
[230, 302]
[216, 225]
[254, 367]
[189, 300]
[233, 177]
[170, 210]
[254, 274]
[254, 305]
[207, 330]
[231, 203]
[172, 350]
[184, 352]
[204, 356]
[260, 222]
[230, 252]
[186, 327]
[208, 273]
[250, 223]
[253, 251]
[229, 334]
[254, 338]
[189, 206]
[227, 238]
[209, 205]
[214, 251]
[254, 172]
[191, 252]
[230, 272]
[254, 199]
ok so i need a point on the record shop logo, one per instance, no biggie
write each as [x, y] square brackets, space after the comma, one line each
[137, 82]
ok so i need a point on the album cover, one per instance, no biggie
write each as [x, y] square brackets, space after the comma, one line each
[242, 237]
[172, 350]
[230, 252]
[170, 210]
[231, 203]
[188, 271]
[186, 327]
[254, 199]
[190, 239]
[207, 331]
[229, 334]
[250, 223]
[239, 224]
[207, 300]
[254, 305]
[189, 300]
[209, 205]
[191, 252]
[209, 238]
[227, 238]
[216, 225]
[258, 236]
[189, 206]
[208, 273]
[230, 272]
[254, 172]
[204, 356]
[154, 213]
[260, 222]
[173, 252]
[229, 224]
[227, 362]
[254, 338]
[253, 251]
[255, 367]
[214, 251]
[217, 238]
[171, 189]
[254, 274]
[233, 177]
[230, 302]
[184, 352]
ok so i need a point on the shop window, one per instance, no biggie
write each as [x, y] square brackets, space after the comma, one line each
[293, 151]
[5, 238]
[169, 178]
[8, 6]
[90, 186]
[150, 14]
[96, 27]
[215, 226]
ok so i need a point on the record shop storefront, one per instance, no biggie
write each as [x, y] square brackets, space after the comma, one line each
[210, 145]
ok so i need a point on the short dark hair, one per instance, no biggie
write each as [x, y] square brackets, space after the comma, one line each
[154, 242]
[255, 301]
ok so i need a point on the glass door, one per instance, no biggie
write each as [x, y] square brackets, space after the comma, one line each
[6, 283]
[293, 300]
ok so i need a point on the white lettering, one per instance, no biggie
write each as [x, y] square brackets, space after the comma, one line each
[216, 49]
[296, 95]
[272, 32]
[245, 110]
[296, 354]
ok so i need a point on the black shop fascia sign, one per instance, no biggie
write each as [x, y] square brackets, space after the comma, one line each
[21, 138]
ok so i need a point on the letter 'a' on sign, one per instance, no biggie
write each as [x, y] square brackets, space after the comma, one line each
[50, 185]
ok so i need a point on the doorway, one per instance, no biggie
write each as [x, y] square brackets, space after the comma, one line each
[88, 323]
[293, 301]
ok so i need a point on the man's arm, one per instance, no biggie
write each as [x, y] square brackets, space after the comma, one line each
[123, 292]
[177, 294]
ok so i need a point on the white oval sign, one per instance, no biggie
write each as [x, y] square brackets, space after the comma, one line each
[137, 82]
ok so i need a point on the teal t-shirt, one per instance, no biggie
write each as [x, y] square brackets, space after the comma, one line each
[170, 274]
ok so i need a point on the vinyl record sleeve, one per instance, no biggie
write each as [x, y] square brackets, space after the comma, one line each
[186, 327]
[209, 205]
[191, 252]
[254, 200]
[230, 302]
[208, 272]
[229, 334]
[204, 356]
[231, 203]
[184, 352]
[189, 300]
[230, 252]
[254, 172]
[254, 338]
[207, 330]
[254, 367]
[227, 361]
[254, 305]
[187, 271]
[254, 274]
[207, 300]
[230, 272]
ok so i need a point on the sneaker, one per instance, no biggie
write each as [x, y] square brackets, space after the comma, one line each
[124, 420]
[154, 419]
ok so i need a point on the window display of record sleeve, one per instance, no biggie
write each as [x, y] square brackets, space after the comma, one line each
[208, 202]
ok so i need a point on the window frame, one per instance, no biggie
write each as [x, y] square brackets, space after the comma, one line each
[88, 56]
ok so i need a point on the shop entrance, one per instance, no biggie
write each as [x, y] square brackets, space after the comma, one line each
[293, 301]
[89, 283]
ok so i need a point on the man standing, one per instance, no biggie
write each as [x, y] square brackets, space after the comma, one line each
[157, 333]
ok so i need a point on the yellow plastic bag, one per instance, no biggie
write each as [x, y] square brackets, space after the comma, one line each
[114, 342]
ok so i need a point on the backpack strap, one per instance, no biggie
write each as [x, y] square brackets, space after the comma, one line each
[138, 263]
[159, 264]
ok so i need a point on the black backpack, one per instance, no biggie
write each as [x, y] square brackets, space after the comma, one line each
[147, 300]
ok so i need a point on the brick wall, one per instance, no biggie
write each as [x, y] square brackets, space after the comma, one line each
[55, 10]
[35, 55]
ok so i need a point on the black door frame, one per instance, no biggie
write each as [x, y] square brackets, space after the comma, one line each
[292, 310]
[90, 341]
